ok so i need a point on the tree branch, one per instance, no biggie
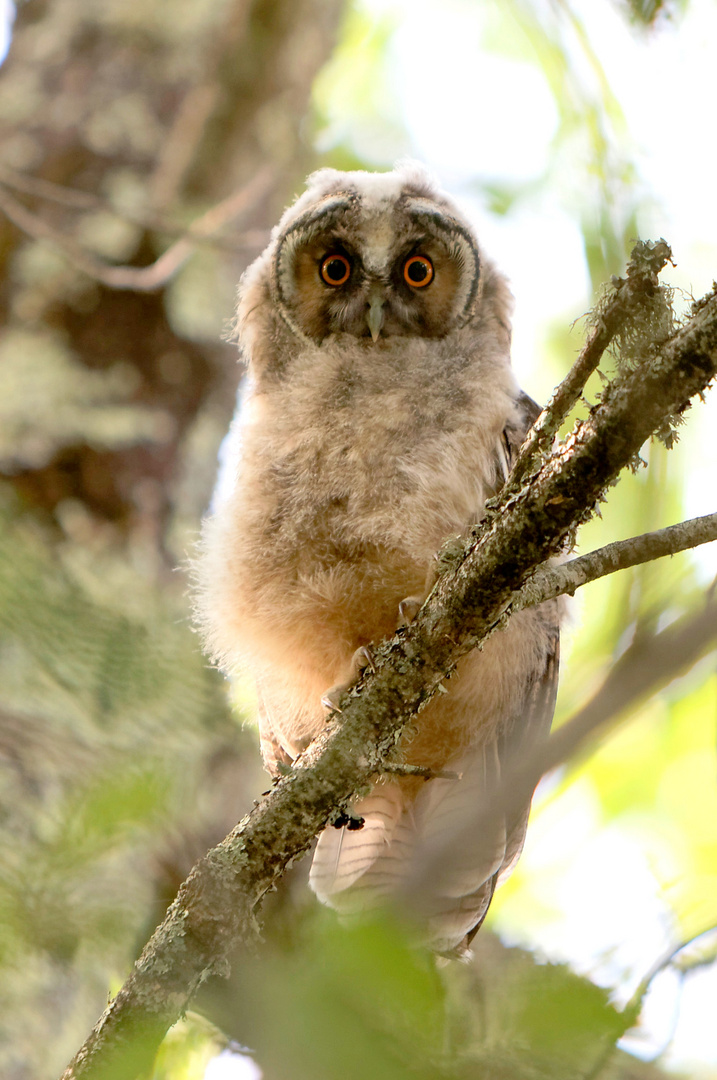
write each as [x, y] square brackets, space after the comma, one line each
[628, 296]
[547, 583]
[157, 274]
[76, 199]
[215, 907]
[52, 192]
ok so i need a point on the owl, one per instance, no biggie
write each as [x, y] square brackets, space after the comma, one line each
[379, 413]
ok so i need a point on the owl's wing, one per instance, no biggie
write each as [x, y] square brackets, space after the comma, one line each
[463, 850]
[460, 857]
[442, 856]
[532, 724]
[532, 728]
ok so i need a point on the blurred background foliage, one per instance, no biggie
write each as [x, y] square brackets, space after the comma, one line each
[120, 124]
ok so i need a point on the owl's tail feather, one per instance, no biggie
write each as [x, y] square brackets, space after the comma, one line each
[342, 856]
[433, 857]
[459, 853]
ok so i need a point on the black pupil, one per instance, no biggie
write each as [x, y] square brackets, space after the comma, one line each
[418, 271]
[335, 269]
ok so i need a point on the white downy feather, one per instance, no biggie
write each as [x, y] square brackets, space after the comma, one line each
[383, 879]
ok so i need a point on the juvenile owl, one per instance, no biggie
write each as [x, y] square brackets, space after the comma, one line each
[379, 413]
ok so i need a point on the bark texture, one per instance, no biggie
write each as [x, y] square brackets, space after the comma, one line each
[148, 113]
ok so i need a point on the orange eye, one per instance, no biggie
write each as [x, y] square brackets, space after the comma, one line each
[335, 270]
[418, 271]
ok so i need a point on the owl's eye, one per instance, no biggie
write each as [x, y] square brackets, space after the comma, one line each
[418, 271]
[335, 269]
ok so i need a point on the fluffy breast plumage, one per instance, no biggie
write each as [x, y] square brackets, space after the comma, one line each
[381, 414]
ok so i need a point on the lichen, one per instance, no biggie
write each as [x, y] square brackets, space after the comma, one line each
[649, 319]
[451, 554]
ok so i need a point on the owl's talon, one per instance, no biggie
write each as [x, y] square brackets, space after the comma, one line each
[330, 700]
[408, 609]
[361, 659]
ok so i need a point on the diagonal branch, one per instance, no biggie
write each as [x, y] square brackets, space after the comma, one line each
[157, 274]
[215, 907]
[628, 295]
[547, 583]
[76, 199]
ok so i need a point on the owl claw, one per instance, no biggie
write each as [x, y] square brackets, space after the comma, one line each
[363, 658]
[408, 609]
[360, 660]
[330, 700]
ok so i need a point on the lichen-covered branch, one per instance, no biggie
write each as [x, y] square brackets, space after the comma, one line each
[215, 907]
[547, 583]
[625, 296]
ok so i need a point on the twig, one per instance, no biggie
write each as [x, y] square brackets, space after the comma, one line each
[51, 192]
[646, 262]
[77, 199]
[182, 144]
[669, 958]
[179, 148]
[140, 278]
[214, 910]
[549, 583]
[664, 962]
[645, 667]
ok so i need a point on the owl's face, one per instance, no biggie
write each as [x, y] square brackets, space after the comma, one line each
[374, 256]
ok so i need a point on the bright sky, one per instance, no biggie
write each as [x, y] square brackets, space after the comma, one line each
[7, 14]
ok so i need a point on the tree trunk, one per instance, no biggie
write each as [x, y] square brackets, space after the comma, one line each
[149, 112]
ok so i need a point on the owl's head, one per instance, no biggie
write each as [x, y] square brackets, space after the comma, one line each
[374, 255]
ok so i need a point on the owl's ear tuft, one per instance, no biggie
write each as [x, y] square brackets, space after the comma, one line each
[418, 180]
[325, 180]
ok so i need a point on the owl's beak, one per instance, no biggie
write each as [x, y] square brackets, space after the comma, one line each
[375, 315]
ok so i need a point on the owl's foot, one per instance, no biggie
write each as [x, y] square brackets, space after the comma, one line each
[360, 660]
[279, 759]
[408, 609]
[411, 605]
